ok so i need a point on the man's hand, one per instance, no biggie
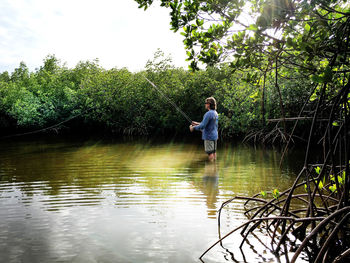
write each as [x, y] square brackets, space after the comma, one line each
[194, 123]
[191, 128]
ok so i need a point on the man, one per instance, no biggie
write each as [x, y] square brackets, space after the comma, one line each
[209, 128]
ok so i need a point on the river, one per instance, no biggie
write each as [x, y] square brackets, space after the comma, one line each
[94, 200]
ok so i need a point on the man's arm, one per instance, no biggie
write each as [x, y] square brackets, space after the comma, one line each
[203, 123]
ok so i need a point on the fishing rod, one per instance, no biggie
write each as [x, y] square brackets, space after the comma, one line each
[169, 100]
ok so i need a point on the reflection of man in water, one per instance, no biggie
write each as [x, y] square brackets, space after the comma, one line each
[209, 128]
[210, 186]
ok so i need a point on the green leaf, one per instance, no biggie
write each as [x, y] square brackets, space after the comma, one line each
[320, 185]
[335, 123]
[340, 180]
[333, 188]
[313, 97]
[307, 27]
[254, 96]
[199, 22]
[317, 170]
[263, 194]
[252, 27]
[275, 193]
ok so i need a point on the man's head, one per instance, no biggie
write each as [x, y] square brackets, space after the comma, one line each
[211, 102]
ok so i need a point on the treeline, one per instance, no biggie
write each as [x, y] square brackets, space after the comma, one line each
[88, 98]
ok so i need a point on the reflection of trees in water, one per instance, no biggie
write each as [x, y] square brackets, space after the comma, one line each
[76, 172]
[84, 170]
[88, 168]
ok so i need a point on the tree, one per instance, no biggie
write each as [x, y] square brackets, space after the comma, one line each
[306, 41]
[280, 37]
[213, 30]
[160, 62]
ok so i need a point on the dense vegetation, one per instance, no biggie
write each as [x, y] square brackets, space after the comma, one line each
[121, 102]
[292, 58]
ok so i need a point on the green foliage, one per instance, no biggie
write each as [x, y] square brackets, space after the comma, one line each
[333, 188]
[21, 104]
[275, 193]
[294, 45]
[317, 169]
[339, 180]
[40, 98]
[320, 185]
[123, 102]
[305, 187]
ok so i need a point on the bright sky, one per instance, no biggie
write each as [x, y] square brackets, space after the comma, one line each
[116, 32]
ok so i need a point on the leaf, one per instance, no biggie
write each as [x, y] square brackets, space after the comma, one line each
[320, 185]
[254, 96]
[189, 54]
[307, 27]
[263, 194]
[333, 188]
[335, 123]
[252, 27]
[313, 97]
[275, 193]
[317, 170]
[199, 22]
[340, 180]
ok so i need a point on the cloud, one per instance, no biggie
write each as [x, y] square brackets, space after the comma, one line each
[116, 32]
[16, 37]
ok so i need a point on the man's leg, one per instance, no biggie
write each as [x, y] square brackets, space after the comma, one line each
[210, 149]
[215, 147]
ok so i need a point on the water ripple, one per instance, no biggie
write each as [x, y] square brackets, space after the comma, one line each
[124, 202]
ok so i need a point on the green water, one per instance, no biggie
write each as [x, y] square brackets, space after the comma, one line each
[130, 201]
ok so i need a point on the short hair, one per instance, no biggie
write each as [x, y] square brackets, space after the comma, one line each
[212, 102]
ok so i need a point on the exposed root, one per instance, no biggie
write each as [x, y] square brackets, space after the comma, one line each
[315, 210]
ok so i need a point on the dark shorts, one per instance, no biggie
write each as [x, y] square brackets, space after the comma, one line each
[210, 146]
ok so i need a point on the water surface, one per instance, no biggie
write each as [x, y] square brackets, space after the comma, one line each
[129, 201]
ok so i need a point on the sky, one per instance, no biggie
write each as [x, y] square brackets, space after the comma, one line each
[116, 32]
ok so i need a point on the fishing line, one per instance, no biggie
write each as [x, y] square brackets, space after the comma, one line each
[50, 127]
[43, 129]
[169, 100]
[73, 117]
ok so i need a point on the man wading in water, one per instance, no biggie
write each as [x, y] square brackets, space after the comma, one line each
[209, 128]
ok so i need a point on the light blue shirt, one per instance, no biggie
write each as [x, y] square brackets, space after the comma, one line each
[209, 125]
